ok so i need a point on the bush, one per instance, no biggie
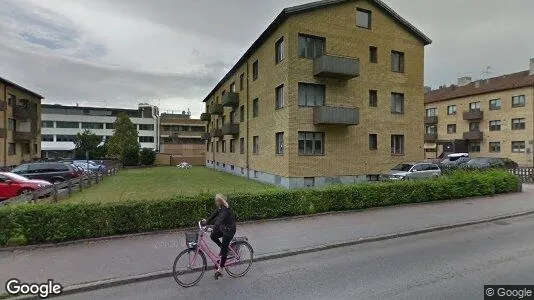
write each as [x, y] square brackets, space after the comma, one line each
[46, 223]
[148, 157]
[130, 156]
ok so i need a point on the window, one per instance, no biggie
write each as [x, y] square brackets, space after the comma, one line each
[373, 54]
[451, 110]
[518, 124]
[451, 128]
[397, 103]
[279, 101]
[431, 112]
[232, 146]
[373, 98]
[223, 120]
[311, 47]
[518, 147]
[373, 141]
[11, 124]
[110, 125]
[232, 87]
[373, 177]
[65, 138]
[242, 145]
[474, 147]
[89, 125]
[397, 61]
[255, 71]
[223, 143]
[242, 113]
[474, 126]
[311, 94]
[494, 147]
[217, 146]
[255, 108]
[279, 139]
[431, 129]
[495, 104]
[25, 148]
[311, 143]
[363, 18]
[47, 124]
[61, 124]
[12, 100]
[242, 81]
[256, 145]
[397, 144]
[47, 138]
[146, 139]
[474, 106]
[518, 101]
[495, 125]
[12, 149]
[279, 50]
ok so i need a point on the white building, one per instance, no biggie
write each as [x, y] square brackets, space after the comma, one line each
[60, 124]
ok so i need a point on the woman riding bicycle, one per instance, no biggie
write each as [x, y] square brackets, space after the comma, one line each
[224, 227]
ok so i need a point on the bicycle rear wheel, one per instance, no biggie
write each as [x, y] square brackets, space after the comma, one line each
[187, 269]
[239, 267]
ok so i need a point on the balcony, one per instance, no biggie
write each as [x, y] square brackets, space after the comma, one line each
[230, 99]
[216, 133]
[431, 137]
[185, 133]
[24, 113]
[205, 117]
[336, 115]
[23, 136]
[474, 115]
[3, 133]
[431, 120]
[336, 67]
[473, 135]
[230, 129]
[3, 105]
[206, 136]
[216, 109]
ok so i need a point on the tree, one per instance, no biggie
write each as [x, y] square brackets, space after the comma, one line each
[148, 157]
[86, 142]
[124, 137]
[130, 156]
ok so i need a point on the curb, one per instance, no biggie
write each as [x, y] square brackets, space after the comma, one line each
[90, 286]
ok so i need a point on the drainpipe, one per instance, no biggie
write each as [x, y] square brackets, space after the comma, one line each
[247, 123]
[5, 126]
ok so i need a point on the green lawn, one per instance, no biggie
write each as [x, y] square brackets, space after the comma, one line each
[165, 182]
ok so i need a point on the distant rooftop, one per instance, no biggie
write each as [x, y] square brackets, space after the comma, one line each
[7, 82]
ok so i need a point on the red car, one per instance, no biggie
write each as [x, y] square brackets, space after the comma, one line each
[13, 185]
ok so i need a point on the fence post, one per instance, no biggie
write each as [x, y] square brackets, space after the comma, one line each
[34, 196]
[69, 187]
[55, 193]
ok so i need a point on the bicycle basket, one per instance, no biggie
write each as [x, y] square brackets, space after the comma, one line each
[191, 239]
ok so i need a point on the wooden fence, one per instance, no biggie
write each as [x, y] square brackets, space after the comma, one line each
[525, 174]
[62, 190]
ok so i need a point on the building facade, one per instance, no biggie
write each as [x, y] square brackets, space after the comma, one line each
[183, 138]
[331, 92]
[492, 117]
[61, 123]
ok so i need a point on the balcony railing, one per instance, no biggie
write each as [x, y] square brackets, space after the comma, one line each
[23, 136]
[3, 133]
[474, 135]
[474, 115]
[431, 120]
[230, 129]
[3, 105]
[23, 113]
[185, 133]
[206, 136]
[230, 99]
[205, 117]
[216, 109]
[216, 133]
[336, 115]
[431, 137]
[336, 67]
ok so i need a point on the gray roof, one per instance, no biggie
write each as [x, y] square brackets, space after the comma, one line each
[287, 12]
[10, 83]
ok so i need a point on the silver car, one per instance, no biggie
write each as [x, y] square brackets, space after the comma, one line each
[409, 171]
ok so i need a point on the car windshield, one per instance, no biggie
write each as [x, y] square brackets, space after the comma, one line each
[16, 177]
[402, 167]
[478, 161]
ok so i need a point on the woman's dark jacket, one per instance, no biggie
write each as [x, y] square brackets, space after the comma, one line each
[222, 219]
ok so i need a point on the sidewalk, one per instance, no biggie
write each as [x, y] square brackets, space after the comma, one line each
[81, 263]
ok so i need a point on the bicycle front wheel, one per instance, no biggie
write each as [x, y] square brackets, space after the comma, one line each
[240, 265]
[189, 267]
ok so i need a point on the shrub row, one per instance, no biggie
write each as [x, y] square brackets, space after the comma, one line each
[46, 223]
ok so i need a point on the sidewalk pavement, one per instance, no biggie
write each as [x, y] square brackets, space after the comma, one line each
[135, 256]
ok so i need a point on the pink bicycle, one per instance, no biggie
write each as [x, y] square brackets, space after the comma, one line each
[190, 265]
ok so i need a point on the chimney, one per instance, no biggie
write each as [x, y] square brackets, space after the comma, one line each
[464, 80]
[531, 66]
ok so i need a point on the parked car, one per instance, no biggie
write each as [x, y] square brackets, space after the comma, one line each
[408, 171]
[54, 172]
[491, 162]
[13, 185]
[455, 160]
[90, 165]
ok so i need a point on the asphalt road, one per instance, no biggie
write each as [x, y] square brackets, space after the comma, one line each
[452, 264]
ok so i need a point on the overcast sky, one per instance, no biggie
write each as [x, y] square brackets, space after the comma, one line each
[118, 53]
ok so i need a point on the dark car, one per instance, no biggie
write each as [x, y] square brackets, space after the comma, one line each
[54, 172]
[455, 162]
[491, 163]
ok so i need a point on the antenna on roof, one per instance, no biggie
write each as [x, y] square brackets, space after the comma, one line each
[486, 73]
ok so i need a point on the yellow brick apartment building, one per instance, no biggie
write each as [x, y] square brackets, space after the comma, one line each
[492, 117]
[20, 124]
[331, 92]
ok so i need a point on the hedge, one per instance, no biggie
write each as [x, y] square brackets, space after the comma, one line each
[49, 223]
